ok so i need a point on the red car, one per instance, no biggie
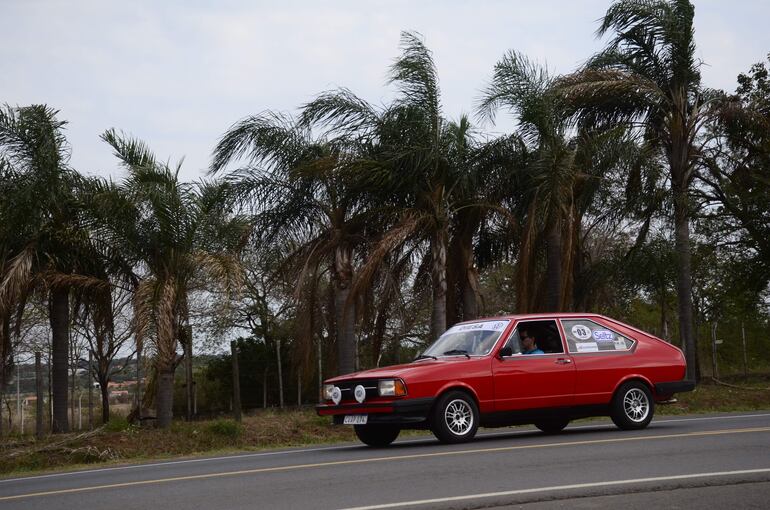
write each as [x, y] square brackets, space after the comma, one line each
[544, 369]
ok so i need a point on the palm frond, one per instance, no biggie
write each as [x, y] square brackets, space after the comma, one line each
[414, 72]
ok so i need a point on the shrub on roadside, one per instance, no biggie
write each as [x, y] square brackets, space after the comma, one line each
[225, 428]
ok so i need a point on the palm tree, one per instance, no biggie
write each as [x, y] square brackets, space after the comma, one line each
[42, 243]
[176, 234]
[561, 173]
[648, 77]
[303, 199]
[408, 163]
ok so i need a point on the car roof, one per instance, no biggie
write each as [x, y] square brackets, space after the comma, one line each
[544, 315]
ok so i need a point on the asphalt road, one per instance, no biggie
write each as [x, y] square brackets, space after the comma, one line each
[712, 461]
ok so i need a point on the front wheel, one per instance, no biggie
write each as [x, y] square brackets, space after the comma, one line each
[455, 418]
[632, 406]
[377, 436]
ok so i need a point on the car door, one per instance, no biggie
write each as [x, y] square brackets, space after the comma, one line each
[602, 356]
[530, 381]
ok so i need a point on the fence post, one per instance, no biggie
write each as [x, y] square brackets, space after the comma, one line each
[320, 374]
[189, 371]
[745, 355]
[236, 383]
[714, 367]
[90, 391]
[39, 395]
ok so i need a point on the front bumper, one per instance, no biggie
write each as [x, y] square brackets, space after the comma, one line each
[397, 412]
[669, 388]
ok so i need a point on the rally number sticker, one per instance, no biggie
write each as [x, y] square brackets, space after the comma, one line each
[581, 332]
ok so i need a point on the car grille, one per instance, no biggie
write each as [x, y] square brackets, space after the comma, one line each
[346, 387]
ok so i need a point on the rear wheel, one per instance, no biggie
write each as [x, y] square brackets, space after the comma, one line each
[377, 436]
[455, 418]
[552, 425]
[632, 406]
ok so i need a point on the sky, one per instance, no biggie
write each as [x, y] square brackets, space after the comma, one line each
[177, 74]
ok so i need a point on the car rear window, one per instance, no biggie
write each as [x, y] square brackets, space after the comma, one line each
[585, 335]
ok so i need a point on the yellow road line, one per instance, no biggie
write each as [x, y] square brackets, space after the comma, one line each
[382, 459]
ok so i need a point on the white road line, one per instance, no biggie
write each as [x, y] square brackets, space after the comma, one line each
[333, 448]
[561, 488]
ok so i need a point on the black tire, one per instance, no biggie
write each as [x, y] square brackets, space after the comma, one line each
[552, 425]
[632, 406]
[455, 417]
[377, 436]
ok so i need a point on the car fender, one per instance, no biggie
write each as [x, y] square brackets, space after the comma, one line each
[634, 377]
[458, 385]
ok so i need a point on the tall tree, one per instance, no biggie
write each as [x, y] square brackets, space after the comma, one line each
[42, 251]
[408, 163]
[648, 76]
[558, 181]
[303, 199]
[176, 234]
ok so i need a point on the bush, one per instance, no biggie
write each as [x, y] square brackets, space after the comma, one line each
[226, 428]
[117, 424]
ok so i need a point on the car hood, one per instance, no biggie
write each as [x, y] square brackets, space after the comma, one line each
[403, 371]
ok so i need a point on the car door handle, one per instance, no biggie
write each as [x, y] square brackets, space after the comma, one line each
[563, 361]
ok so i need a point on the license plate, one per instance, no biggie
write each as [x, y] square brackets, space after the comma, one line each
[355, 419]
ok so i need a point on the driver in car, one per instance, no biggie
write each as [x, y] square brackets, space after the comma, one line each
[529, 343]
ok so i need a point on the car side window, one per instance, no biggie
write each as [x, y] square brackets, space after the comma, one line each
[544, 337]
[584, 335]
[514, 342]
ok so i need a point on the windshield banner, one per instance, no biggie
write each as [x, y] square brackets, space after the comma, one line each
[479, 326]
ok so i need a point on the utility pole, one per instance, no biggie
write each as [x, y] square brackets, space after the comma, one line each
[236, 383]
[39, 394]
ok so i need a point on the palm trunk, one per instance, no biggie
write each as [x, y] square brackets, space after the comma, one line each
[104, 390]
[469, 276]
[438, 315]
[684, 279]
[59, 318]
[679, 161]
[344, 311]
[524, 302]
[164, 398]
[553, 267]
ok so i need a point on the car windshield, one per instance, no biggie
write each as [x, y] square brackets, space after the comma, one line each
[473, 339]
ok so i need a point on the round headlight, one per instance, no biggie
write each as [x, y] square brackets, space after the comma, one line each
[360, 393]
[336, 395]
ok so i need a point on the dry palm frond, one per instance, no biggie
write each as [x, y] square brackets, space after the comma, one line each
[17, 278]
[56, 279]
[409, 224]
[224, 268]
[166, 330]
[144, 300]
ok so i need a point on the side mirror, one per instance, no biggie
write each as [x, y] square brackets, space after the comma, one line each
[505, 351]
